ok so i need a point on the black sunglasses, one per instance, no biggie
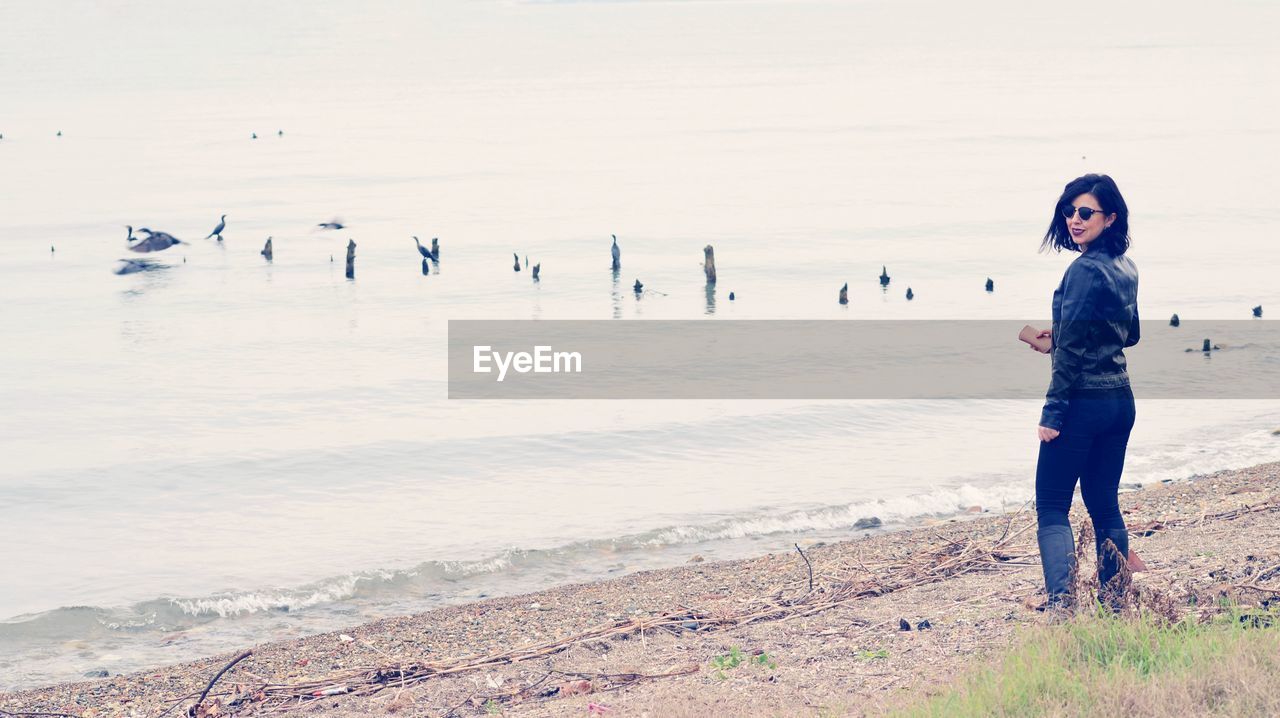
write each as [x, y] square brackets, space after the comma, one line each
[1086, 213]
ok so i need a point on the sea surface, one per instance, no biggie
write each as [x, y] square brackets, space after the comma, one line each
[224, 450]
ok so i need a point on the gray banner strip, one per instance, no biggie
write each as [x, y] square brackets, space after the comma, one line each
[717, 359]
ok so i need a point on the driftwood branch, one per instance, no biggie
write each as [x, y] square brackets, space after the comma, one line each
[192, 710]
[807, 563]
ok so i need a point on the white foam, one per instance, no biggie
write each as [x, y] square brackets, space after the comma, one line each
[259, 601]
[944, 502]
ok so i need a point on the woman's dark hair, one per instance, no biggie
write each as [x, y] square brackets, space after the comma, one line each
[1114, 239]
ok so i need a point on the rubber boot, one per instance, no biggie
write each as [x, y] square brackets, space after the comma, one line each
[1111, 561]
[1058, 559]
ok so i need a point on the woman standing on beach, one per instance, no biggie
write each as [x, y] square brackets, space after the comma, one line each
[1089, 409]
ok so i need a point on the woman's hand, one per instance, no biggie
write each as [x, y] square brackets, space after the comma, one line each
[1045, 333]
[1047, 434]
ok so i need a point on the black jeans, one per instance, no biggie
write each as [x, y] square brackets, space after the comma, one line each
[1091, 447]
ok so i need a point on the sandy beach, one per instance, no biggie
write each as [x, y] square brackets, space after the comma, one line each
[744, 637]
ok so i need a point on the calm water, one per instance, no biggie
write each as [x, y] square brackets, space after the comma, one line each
[225, 451]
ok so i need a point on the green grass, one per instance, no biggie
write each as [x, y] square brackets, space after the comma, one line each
[735, 657]
[1113, 666]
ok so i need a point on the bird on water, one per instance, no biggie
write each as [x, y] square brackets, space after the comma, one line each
[332, 224]
[133, 266]
[154, 241]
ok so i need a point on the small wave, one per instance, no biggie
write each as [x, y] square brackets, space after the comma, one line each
[441, 577]
[439, 580]
[236, 604]
[900, 511]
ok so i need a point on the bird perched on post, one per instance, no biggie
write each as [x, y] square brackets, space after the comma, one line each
[617, 253]
[991, 286]
[536, 268]
[844, 293]
[517, 267]
[266, 250]
[884, 276]
[1257, 311]
[426, 253]
[910, 294]
[217, 231]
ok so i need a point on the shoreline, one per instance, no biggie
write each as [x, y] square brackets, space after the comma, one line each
[666, 638]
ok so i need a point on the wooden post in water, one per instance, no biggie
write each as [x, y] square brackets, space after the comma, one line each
[536, 268]
[617, 253]
[435, 249]
[844, 293]
[517, 267]
[266, 250]
[709, 263]
[351, 259]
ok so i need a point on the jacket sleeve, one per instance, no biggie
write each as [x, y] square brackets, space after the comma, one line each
[1071, 340]
[1135, 330]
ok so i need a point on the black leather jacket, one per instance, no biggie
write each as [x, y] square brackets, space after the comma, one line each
[1095, 316]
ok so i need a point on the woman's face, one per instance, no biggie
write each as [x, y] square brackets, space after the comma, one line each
[1084, 231]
